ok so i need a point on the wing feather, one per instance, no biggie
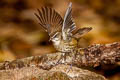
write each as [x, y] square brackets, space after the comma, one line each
[68, 23]
[81, 32]
[50, 20]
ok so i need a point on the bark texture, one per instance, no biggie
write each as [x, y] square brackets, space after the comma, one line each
[47, 67]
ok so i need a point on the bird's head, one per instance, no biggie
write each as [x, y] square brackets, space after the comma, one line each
[56, 37]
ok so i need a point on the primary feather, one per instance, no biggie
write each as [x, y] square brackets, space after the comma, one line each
[68, 23]
[50, 20]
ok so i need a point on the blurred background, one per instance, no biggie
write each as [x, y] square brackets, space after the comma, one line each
[21, 35]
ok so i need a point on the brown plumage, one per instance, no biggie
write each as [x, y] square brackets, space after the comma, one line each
[50, 20]
[60, 30]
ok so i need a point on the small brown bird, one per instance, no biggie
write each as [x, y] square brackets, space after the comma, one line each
[60, 30]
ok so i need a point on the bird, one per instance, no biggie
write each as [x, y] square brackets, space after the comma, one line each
[61, 29]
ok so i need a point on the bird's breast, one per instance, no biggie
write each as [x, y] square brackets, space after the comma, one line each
[64, 47]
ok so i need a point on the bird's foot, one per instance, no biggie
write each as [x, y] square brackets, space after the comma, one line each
[69, 68]
[62, 58]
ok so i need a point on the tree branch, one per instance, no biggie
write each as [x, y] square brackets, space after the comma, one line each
[93, 55]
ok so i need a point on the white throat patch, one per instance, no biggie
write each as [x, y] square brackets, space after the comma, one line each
[56, 41]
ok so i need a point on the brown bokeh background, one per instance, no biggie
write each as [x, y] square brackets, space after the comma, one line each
[21, 35]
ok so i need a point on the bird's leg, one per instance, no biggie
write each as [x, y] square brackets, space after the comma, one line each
[63, 56]
[74, 57]
[69, 68]
[60, 58]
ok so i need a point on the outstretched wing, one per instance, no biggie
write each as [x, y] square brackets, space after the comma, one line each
[68, 23]
[81, 32]
[50, 20]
